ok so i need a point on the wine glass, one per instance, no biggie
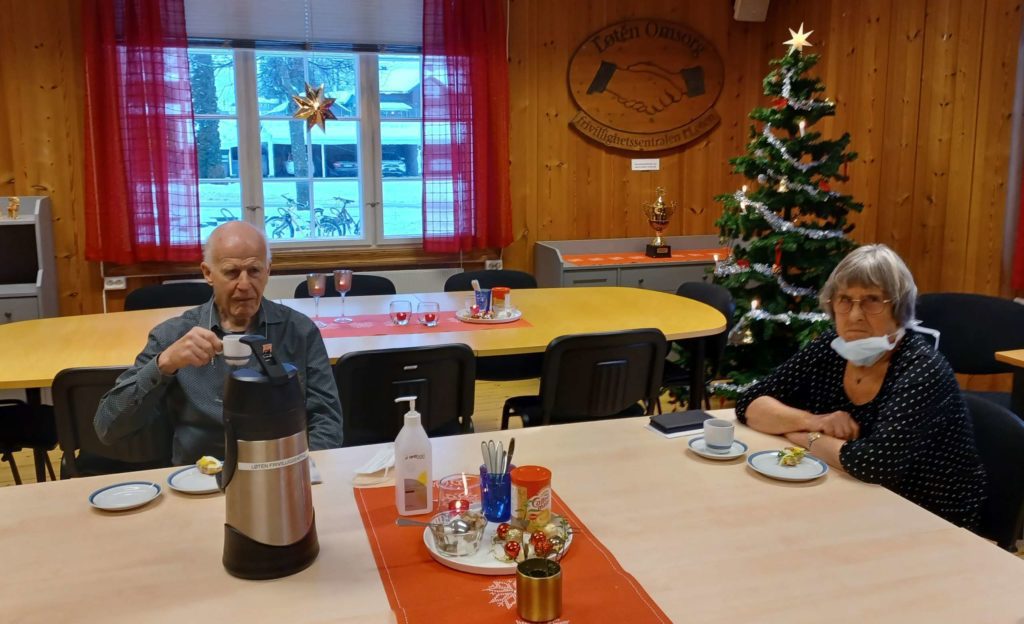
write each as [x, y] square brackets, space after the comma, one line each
[317, 285]
[343, 284]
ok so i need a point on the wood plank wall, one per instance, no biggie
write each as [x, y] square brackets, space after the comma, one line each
[925, 87]
[41, 132]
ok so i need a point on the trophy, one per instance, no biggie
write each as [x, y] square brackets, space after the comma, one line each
[658, 215]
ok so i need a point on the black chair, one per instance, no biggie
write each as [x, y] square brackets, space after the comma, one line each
[76, 395]
[593, 377]
[168, 296]
[999, 434]
[440, 377]
[969, 345]
[500, 367]
[713, 347]
[26, 426]
[489, 279]
[361, 285]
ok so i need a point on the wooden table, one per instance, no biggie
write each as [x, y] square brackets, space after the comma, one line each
[35, 351]
[1015, 358]
[709, 541]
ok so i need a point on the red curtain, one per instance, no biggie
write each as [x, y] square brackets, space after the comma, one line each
[142, 200]
[466, 197]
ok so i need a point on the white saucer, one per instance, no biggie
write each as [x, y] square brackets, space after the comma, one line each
[767, 463]
[190, 481]
[697, 446]
[464, 316]
[122, 496]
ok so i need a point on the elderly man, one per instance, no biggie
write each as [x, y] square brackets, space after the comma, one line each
[178, 377]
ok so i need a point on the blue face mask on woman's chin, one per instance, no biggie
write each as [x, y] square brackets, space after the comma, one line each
[866, 351]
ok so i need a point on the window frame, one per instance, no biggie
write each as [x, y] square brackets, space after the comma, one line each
[369, 145]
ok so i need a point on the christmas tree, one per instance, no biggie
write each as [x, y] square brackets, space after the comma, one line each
[788, 229]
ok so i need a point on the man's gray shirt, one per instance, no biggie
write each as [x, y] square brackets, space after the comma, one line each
[192, 398]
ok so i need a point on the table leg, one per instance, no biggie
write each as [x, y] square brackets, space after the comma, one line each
[1017, 394]
[34, 397]
[697, 380]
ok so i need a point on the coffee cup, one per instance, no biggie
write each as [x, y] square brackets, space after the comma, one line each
[236, 353]
[718, 435]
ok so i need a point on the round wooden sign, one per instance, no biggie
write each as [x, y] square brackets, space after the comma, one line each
[645, 84]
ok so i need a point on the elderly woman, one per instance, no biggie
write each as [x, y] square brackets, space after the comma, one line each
[874, 398]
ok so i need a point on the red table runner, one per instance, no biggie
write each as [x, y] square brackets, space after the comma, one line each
[678, 255]
[381, 325]
[595, 588]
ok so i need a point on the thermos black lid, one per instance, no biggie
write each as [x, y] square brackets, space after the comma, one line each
[264, 404]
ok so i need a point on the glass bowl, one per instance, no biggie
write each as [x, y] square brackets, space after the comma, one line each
[457, 544]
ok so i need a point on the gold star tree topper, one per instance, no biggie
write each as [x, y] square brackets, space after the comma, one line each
[314, 107]
[799, 39]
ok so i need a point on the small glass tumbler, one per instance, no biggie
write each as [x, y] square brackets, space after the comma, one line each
[400, 312]
[428, 313]
[458, 492]
[496, 495]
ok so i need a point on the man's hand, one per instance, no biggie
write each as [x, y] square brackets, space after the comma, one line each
[196, 348]
[837, 424]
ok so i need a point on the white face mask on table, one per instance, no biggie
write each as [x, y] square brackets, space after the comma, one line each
[866, 351]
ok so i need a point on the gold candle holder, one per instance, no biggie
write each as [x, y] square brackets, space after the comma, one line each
[659, 213]
[539, 590]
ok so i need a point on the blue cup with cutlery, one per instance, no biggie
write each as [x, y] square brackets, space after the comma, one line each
[495, 482]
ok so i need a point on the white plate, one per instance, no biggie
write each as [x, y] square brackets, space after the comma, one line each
[190, 481]
[767, 463]
[483, 561]
[698, 446]
[122, 496]
[463, 315]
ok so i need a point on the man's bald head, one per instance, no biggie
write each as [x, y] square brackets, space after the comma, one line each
[234, 236]
[236, 262]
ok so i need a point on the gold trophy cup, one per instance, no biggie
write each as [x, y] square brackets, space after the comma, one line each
[658, 215]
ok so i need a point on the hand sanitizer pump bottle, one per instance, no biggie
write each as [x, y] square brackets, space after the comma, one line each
[414, 484]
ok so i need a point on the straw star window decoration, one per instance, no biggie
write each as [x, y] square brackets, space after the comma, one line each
[314, 107]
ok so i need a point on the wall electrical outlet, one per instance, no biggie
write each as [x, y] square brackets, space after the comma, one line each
[114, 283]
[492, 265]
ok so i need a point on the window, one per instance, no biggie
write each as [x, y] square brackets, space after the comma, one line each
[357, 183]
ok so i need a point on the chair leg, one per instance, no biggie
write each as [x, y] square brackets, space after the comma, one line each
[49, 467]
[505, 413]
[42, 461]
[9, 458]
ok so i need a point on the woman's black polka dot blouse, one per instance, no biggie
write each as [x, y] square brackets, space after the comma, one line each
[915, 436]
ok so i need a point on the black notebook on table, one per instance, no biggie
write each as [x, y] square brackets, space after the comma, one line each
[674, 422]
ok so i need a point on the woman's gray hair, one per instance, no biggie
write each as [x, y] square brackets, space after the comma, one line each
[879, 267]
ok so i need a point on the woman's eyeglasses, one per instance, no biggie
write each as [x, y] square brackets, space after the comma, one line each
[870, 304]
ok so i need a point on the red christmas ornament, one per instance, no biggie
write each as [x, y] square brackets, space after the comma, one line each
[543, 547]
[778, 253]
[780, 103]
[823, 185]
[536, 537]
[512, 549]
[743, 263]
[502, 530]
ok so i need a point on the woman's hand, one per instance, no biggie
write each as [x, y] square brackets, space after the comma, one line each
[798, 438]
[837, 424]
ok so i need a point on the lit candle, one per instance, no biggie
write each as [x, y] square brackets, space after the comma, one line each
[753, 304]
[803, 126]
[744, 189]
[716, 258]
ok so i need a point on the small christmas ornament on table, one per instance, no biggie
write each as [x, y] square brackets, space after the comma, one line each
[13, 206]
[658, 213]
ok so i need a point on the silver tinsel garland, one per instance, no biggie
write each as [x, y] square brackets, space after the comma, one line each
[787, 88]
[777, 144]
[781, 225]
[813, 191]
[723, 269]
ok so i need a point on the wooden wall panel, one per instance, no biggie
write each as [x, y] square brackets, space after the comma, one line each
[925, 87]
[41, 144]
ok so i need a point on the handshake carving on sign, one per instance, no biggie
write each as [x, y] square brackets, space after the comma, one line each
[647, 87]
